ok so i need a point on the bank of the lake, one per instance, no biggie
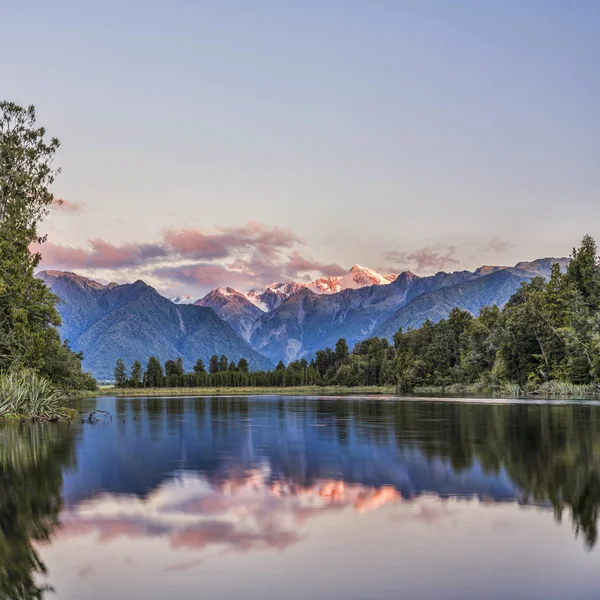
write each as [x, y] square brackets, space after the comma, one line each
[245, 391]
[64, 413]
[556, 391]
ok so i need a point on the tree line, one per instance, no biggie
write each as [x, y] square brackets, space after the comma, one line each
[549, 331]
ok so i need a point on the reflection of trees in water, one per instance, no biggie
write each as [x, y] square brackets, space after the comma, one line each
[552, 453]
[31, 462]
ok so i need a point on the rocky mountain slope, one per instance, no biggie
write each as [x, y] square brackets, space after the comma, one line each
[234, 308]
[134, 322]
[306, 322]
[283, 322]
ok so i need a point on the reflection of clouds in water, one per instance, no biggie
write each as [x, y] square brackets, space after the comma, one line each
[182, 566]
[243, 513]
[429, 510]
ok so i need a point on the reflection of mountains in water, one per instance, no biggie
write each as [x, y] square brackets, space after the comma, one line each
[304, 443]
[530, 453]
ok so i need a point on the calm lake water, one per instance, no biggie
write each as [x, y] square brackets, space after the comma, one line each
[290, 497]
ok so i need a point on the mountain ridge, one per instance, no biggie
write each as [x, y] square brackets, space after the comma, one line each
[133, 322]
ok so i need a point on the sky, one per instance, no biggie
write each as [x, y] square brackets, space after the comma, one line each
[241, 143]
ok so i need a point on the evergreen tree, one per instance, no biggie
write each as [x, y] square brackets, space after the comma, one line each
[213, 365]
[232, 366]
[243, 365]
[153, 375]
[280, 366]
[223, 364]
[174, 368]
[199, 367]
[136, 374]
[341, 350]
[120, 374]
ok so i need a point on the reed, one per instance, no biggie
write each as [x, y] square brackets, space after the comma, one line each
[28, 394]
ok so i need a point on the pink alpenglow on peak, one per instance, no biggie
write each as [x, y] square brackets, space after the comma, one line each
[357, 277]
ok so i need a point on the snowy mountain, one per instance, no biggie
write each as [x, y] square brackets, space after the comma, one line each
[234, 308]
[357, 277]
[274, 295]
[182, 300]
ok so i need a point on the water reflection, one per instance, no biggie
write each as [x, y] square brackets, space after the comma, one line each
[31, 464]
[175, 483]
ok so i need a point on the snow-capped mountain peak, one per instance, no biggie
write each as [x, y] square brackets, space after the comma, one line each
[182, 300]
[357, 277]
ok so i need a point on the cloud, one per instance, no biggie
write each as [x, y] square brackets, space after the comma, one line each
[298, 264]
[202, 274]
[182, 566]
[66, 206]
[435, 258]
[100, 255]
[499, 246]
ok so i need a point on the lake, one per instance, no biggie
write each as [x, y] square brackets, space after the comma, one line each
[291, 497]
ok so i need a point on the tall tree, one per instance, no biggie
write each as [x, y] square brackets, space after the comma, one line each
[120, 374]
[153, 375]
[199, 367]
[28, 316]
[243, 365]
[213, 365]
[136, 374]
[223, 364]
[341, 350]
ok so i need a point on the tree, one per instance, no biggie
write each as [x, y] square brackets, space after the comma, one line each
[213, 364]
[174, 368]
[120, 374]
[199, 367]
[223, 363]
[153, 375]
[280, 366]
[341, 350]
[243, 365]
[233, 367]
[28, 315]
[584, 272]
[136, 374]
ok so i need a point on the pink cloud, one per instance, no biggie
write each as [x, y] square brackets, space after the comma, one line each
[68, 206]
[100, 255]
[434, 258]
[298, 264]
[201, 274]
[192, 243]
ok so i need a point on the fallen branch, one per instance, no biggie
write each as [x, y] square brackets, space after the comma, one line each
[94, 419]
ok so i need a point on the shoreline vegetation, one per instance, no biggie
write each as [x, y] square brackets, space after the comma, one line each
[513, 391]
[38, 370]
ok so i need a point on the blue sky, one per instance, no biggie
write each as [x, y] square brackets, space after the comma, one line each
[420, 135]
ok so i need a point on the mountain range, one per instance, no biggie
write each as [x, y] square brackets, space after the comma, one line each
[133, 322]
[285, 321]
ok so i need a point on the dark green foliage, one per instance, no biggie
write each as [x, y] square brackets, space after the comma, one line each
[120, 374]
[28, 316]
[213, 364]
[223, 364]
[153, 375]
[174, 367]
[199, 367]
[243, 365]
[136, 374]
